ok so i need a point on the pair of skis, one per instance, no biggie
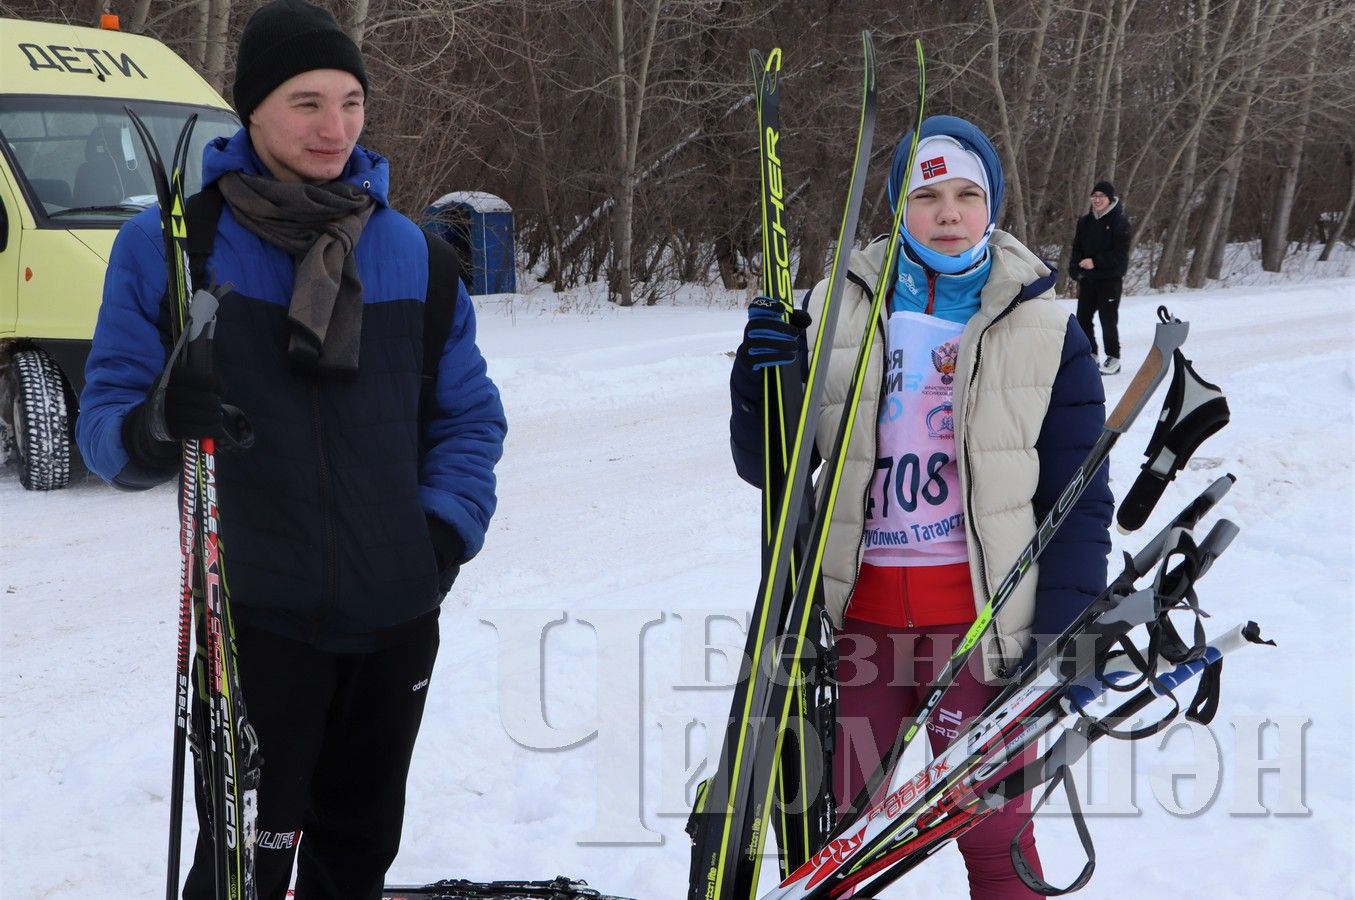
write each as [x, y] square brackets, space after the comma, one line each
[771, 699]
[211, 720]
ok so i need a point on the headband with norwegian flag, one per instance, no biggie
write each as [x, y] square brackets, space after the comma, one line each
[940, 158]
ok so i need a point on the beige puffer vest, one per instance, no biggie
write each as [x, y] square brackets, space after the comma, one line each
[1009, 356]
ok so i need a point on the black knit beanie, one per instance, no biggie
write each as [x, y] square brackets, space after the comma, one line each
[283, 39]
[1106, 188]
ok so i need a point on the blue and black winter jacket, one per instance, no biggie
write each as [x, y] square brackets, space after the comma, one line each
[326, 520]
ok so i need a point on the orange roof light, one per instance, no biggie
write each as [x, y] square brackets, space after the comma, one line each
[109, 22]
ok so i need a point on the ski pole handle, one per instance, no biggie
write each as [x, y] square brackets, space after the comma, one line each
[1170, 335]
[201, 328]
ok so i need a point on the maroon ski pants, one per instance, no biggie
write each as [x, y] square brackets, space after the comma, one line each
[884, 672]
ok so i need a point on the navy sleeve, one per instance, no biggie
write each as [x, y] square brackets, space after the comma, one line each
[745, 422]
[745, 419]
[1072, 570]
[465, 438]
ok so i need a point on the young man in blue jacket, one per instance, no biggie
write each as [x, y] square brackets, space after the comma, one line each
[347, 520]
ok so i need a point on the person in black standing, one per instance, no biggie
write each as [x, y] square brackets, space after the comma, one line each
[1099, 261]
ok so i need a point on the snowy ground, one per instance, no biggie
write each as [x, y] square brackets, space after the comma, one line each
[575, 651]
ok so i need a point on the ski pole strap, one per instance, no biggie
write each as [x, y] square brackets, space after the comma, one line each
[202, 213]
[200, 330]
[1206, 701]
[1192, 411]
[1024, 869]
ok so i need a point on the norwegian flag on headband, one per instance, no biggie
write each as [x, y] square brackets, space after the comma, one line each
[931, 168]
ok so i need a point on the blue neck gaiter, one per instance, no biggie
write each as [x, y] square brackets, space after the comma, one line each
[955, 297]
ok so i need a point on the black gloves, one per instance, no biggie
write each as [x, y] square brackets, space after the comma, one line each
[769, 340]
[190, 408]
[193, 405]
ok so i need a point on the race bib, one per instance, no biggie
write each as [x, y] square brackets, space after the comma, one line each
[914, 514]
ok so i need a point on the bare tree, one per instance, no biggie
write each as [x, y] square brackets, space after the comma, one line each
[1275, 239]
[628, 118]
[357, 21]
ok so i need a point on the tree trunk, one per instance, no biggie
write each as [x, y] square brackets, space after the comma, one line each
[1173, 244]
[727, 263]
[628, 143]
[1275, 239]
[140, 11]
[357, 21]
[813, 251]
[201, 32]
[1015, 201]
[1022, 116]
[555, 255]
[1209, 256]
[1340, 228]
[1117, 107]
[218, 28]
[1064, 113]
[633, 150]
[620, 273]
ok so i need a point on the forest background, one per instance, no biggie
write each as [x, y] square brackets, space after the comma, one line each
[621, 131]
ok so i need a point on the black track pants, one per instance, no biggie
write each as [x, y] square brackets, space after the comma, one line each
[1101, 298]
[336, 732]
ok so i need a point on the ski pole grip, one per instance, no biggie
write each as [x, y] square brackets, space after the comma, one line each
[200, 327]
[1171, 334]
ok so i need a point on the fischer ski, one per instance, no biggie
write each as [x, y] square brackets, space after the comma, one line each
[729, 820]
[802, 814]
[225, 748]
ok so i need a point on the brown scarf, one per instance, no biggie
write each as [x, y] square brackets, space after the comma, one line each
[318, 225]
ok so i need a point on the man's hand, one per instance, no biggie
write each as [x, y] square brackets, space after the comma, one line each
[1086, 264]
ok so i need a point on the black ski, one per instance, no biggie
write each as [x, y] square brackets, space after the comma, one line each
[729, 822]
[802, 812]
[558, 888]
